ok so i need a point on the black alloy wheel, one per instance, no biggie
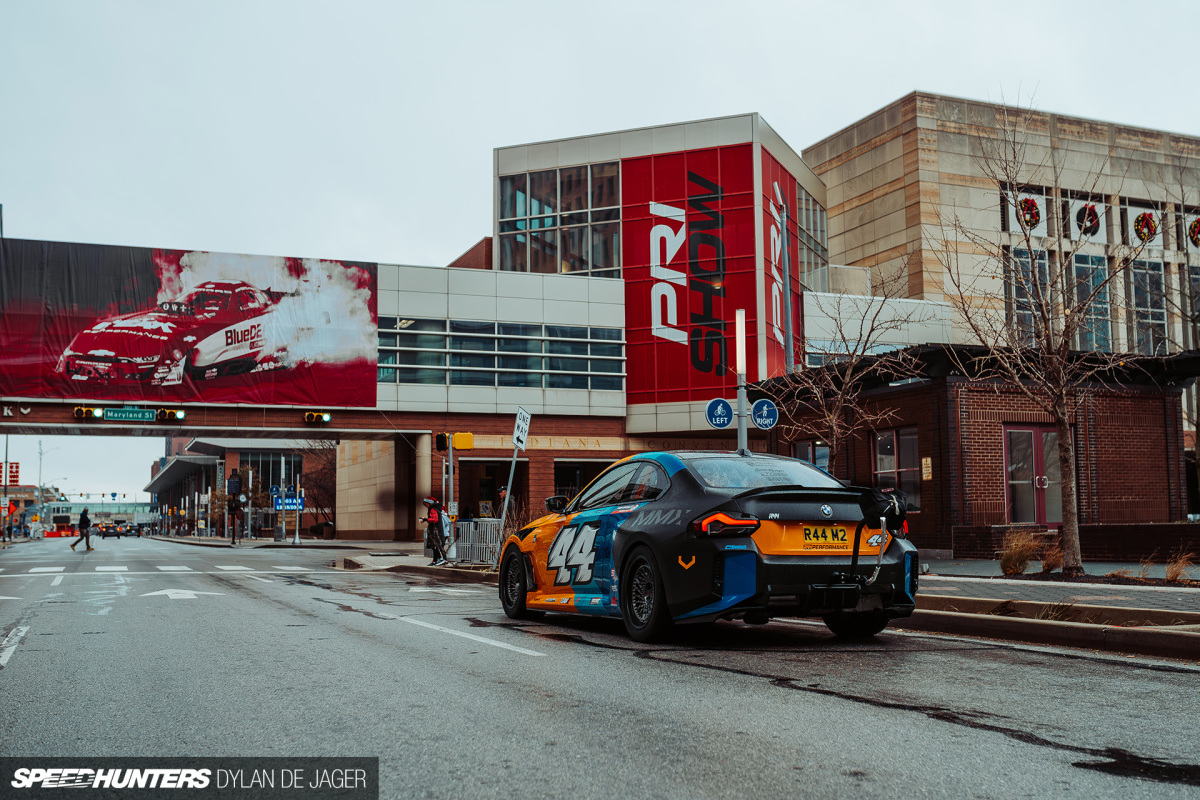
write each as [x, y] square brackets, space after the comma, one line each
[513, 586]
[856, 624]
[643, 601]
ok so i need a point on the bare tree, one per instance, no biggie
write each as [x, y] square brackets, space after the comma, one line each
[320, 478]
[1028, 301]
[851, 341]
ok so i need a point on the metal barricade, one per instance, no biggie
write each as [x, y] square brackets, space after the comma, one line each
[476, 541]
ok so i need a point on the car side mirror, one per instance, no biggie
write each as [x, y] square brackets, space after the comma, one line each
[557, 504]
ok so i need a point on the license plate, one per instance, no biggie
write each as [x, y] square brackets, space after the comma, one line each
[825, 537]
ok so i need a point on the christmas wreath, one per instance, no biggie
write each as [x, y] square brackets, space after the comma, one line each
[1194, 231]
[1030, 214]
[1088, 220]
[1145, 227]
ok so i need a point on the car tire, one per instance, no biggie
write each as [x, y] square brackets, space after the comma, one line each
[856, 624]
[514, 587]
[643, 600]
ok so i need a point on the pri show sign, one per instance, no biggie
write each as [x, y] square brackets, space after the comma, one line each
[691, 232]
[124, 323]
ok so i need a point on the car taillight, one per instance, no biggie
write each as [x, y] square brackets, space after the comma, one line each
[722, 524]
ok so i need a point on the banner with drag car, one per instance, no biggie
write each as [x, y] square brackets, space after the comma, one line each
[138, 324]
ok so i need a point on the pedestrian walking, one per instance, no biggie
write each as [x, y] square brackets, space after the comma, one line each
[85, 531]
[434, 531]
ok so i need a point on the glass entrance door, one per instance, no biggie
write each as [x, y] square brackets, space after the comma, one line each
[1034, 479]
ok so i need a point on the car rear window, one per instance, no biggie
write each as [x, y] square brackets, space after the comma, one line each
[754, 473]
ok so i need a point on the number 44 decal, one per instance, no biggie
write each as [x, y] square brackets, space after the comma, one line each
[573, 554]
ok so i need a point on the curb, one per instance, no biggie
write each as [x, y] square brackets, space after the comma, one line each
[460, 574]
[255, 546]
[1142, 641]
[1115, 616]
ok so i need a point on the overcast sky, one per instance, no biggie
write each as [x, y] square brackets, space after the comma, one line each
[364, 130]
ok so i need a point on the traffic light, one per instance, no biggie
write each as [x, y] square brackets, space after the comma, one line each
[317, 417]
[441, 442]
[171, 414]
[84, 412]
[464, 441]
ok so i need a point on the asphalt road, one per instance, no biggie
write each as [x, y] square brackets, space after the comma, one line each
[152, 648]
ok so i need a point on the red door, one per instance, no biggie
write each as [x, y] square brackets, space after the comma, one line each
[1033, 477]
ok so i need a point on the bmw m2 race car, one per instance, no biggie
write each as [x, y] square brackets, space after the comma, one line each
[661, 539]
[218, 328]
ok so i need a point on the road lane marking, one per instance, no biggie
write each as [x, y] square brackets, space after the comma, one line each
[47, 569]
[112, 569]
[179, 594]
[9, 598]
[256, 578]
[6, 649]
[471, 636]
[57, 580]
[292, 569]
[234, 568]
[445, 589]
[176, 569]
[356, 574]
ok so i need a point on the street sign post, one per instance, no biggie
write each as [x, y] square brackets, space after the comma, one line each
[765, 414]
[719, 413]
[519, 439]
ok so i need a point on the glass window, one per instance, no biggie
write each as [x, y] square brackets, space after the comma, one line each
[427, 341]
[513, 196]
[387, 340]
[386, 375]
[387, 323]
[574, 249]
[387, 357]
[1092, 297]
[543, 256]
[606, 185]
[413, 358]
[530, 379]
[607, 488]
[513, 329]
[520, 362]
[648, 483]
[472, 343]
[566, 332]
[1028, 289]
[898, 464]
[607, 334]
[737, 472]
[519, 345]
[574, 183]
[566, 364]
[472, 360]
[1149, 307]
[605, 366]
[461, 326]
[606, 247]
[606, 215]
[567, 348]
[428, 376]
[514, 256]
[543, 193]
[814, 452]
[606, 349]
[560, 381]
[410, 325]
[458, 378]
[607, 383]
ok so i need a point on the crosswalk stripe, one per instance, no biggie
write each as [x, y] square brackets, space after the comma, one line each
[292, 569]
[47, 569]
[175, 569]
[112, 569]
[234, 568]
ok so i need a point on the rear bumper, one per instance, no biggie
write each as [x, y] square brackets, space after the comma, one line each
[749, 584]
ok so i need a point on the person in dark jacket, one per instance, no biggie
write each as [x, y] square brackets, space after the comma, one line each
[436, 517]
[85, 530]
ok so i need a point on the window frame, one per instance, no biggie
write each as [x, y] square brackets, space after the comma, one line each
[914, 499]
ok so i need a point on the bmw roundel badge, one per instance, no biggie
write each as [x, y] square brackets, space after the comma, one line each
[827, 510]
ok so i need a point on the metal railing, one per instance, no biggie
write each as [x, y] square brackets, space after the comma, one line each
[476, 541]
